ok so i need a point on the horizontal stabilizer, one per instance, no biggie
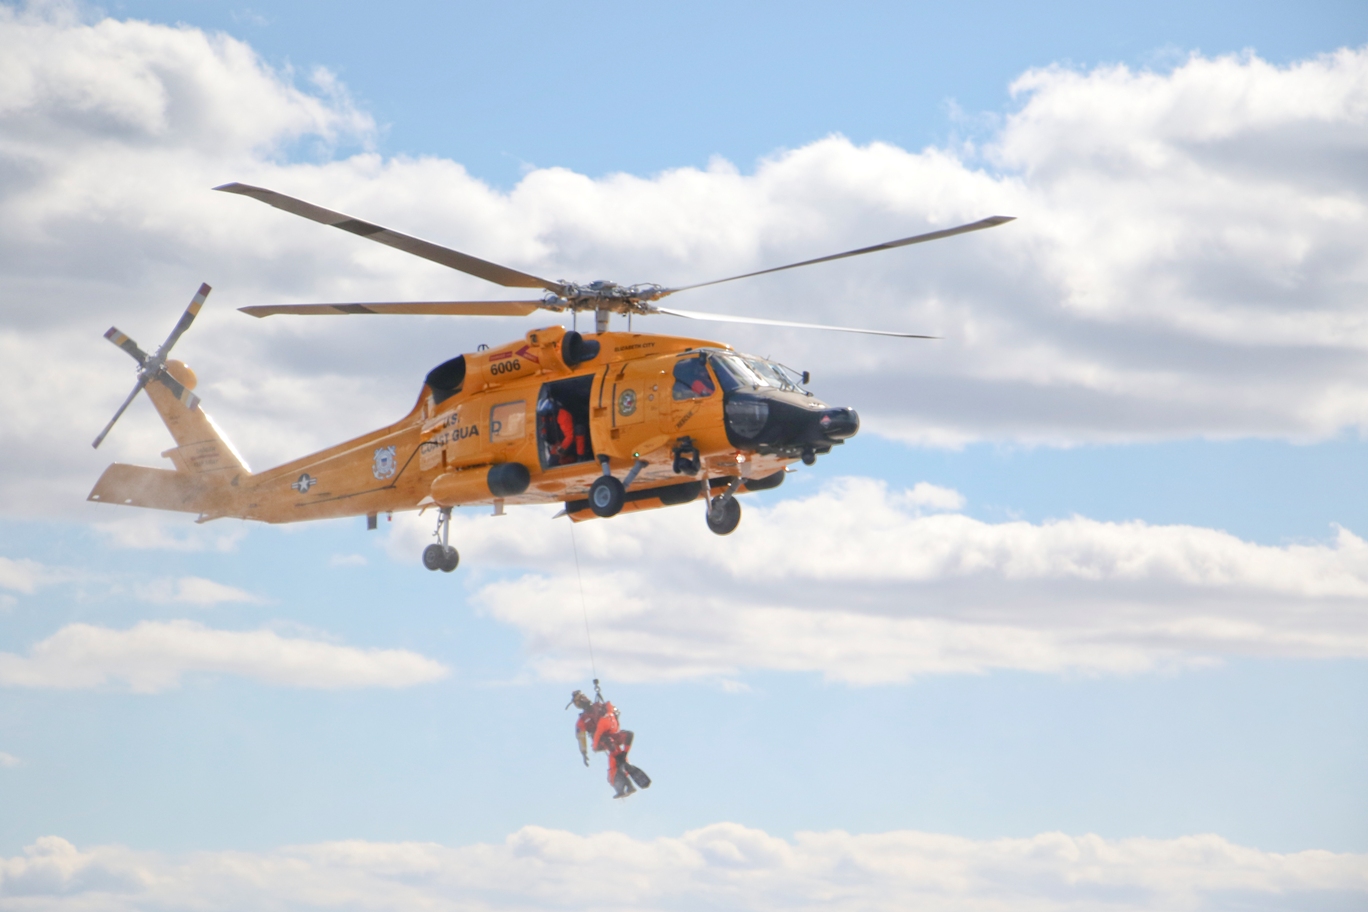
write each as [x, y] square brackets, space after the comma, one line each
[140, 486]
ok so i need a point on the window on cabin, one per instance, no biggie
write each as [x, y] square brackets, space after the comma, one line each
[508, 422]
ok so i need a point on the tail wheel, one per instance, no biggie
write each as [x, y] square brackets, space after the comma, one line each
[724, 515]
[606, 496]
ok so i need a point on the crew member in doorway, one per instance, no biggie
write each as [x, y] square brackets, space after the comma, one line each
[598, 725]
[565, 439]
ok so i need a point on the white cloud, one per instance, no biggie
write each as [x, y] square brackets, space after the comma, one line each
[723, 866]
[147, 530]
[934, 497]
[192, 590]
[1186, 259]
[347, 560]
[8, 761]
[154, 656]
[25, 575]
[859, 583]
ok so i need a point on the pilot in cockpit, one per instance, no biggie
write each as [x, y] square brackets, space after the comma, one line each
[692, 380]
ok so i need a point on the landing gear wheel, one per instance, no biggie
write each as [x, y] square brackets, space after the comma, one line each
[434, 556]
[450, 560]
[606, 496]
[724, 515]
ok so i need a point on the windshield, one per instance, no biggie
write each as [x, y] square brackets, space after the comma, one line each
[738, 371]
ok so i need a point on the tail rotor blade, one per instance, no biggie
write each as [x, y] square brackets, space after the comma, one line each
[142, 381]
[127, 344]
[154, 366]
[186, 319]
[187, 398]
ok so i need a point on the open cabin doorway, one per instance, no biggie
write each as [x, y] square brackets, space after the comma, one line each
[563, 422]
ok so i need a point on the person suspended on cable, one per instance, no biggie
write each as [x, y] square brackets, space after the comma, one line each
[598, 726]
[590, 712]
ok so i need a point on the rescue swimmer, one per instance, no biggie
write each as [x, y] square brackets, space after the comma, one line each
[598, 725]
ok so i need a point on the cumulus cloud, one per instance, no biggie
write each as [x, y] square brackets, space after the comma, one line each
[864, 584]
[192, 590]
[1188, 258]
[25, 575]
[147, 530]
[155, 656]
[722, 866]
[933, 497]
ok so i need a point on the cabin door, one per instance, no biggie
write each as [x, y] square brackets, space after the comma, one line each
[628, 404]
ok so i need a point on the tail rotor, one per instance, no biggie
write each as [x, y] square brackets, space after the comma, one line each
[153, 367]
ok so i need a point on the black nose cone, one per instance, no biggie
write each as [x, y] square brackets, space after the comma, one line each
[839, 423]
[788, 424]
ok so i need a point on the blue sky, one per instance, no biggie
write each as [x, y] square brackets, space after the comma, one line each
[617, 86]
[1092, 567]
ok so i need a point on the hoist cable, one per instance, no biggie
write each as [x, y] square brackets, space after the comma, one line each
[584, 605]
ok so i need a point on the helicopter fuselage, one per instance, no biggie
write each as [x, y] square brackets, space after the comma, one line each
[667, 415]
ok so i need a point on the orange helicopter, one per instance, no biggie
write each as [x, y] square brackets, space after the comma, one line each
[621, 421]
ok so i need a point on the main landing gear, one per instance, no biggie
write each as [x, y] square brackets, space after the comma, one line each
[607, 496]
[442, 556]
[724, 510]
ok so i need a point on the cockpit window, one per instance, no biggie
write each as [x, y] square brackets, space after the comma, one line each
[737, 371]
[772, 373]
[691, 379]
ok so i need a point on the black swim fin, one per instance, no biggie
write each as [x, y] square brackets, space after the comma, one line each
[638, 776]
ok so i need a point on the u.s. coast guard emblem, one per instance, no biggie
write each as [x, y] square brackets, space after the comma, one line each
[384, 462]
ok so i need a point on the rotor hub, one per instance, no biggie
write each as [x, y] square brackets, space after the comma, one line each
[602, 295]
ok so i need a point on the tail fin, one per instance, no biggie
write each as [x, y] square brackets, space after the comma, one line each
[207, 471]
[207, 466]
[201, 448]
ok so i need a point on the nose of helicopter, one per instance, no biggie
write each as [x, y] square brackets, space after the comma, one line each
[786, 422]
[839, 423]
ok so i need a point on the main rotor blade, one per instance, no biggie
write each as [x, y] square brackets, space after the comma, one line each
[457, 308]
[186, 319]
[453, 259]
[723, 318]
[990, 222]
[142, 381]
[127, 344]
